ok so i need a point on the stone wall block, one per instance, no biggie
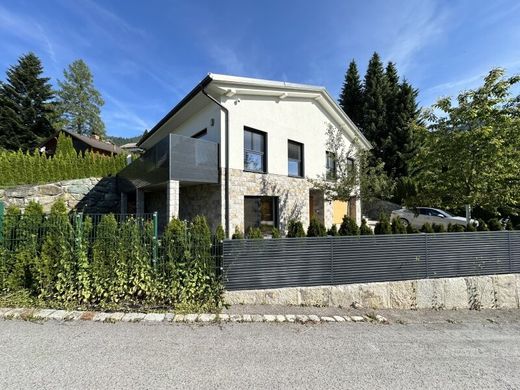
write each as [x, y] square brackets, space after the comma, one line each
[374, 295]
[430, 294]
[481, 294]
[402, 295]
[455, 294]
[315, 296]
[506, 293]
[345, 295]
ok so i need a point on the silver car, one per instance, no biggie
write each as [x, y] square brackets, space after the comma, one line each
[418, 217]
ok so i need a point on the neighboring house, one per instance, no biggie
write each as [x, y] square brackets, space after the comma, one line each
[81, 143]
[238, 150]
[131, 148]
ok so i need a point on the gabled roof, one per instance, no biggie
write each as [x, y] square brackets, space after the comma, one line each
[279, 89]
[92, 142]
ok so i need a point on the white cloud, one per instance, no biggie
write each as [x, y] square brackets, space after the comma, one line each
[228, 59]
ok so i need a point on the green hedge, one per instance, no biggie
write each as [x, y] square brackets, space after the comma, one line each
[35, 168]
[68, 261]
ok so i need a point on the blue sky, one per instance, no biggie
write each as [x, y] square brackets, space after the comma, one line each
[146, 55]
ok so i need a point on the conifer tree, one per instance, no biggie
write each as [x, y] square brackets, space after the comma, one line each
[26, 105]
[351, 97]
[373, 123]
[79, 101]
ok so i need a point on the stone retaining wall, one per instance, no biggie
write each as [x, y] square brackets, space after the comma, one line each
[91, 195]
[475, 292]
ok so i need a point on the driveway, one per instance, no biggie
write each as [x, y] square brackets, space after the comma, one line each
[83, 354]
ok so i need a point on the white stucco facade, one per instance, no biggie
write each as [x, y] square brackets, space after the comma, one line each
[284, 112]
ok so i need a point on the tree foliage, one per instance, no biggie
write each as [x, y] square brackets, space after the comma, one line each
[79, 101]
[351, 97]
[470, 152]
[26, 107]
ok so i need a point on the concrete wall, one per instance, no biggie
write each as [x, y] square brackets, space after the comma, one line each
[92, 195]
[475, 292]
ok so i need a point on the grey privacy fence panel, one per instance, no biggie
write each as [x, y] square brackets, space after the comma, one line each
[291, 262]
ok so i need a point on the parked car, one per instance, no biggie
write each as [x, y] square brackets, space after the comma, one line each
[420, 215]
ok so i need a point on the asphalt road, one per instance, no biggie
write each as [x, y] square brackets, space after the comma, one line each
[125, 355]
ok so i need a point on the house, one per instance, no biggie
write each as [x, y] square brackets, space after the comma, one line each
[238, 150]
[81, 143]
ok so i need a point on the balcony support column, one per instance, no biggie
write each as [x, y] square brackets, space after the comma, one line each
[172, 199]
[139, 202]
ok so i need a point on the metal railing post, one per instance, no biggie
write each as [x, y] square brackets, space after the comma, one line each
[510, 252]
[1, 221]
[331, 260]
[426, 254]
[155, 237]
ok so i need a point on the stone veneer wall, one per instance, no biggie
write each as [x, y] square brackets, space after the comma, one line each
[203, 199]
[292, 193]
[473, 292]
[91, 195]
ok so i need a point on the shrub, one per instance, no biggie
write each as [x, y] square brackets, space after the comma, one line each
[364, 229]
[348, 227]
[295, 229]
[495, 225]
[383, 226]
[220, 235]
[237, 235]
[275, 233]
[439, 228]
[471, 227]
[411, 229]
[482, 226]
[333, 231]
[316, 228]
[398, 226]
[456, 228]
[254, 233]
[427, 228]
[34, 168]
[509, 225]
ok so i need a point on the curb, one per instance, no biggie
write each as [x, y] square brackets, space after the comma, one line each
[205, 318]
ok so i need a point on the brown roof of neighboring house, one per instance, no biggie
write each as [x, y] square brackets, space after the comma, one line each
[92, 142]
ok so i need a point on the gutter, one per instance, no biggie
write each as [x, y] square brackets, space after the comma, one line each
[226, 169]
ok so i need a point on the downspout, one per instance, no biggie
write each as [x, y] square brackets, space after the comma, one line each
[226, 170]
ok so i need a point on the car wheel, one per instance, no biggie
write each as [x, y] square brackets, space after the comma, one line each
[405, 222]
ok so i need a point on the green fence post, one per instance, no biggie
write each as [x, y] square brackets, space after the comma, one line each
[155, 237]
[1, 220]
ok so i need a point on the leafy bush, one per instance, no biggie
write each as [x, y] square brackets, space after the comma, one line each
[398, 226]
[33, 168]
[427, 228]
[509, 225]
[482, 226]
[348, 227]
[65, 261]
[471, 227]
[333, 231]
[316, 229]
[254, 233]
[237, 235]
[275, 233]
[295, 229]
[383, 226]
[220, 235]
[439, 228]
[494, 225]
[411, 229]
[364, 229]
[456, 228]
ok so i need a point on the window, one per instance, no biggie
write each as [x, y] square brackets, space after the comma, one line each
[331, 166]
[261, 212]
[295, 162]
[200, 134]
[254, 150]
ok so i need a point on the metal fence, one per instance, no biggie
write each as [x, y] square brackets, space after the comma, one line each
[292, 262]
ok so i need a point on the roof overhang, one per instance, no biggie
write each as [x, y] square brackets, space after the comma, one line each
[232, 86]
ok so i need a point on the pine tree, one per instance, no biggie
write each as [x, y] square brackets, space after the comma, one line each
[79, 101]
[351, 97]
[389, 140]
[373, 123]
[26, 105]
